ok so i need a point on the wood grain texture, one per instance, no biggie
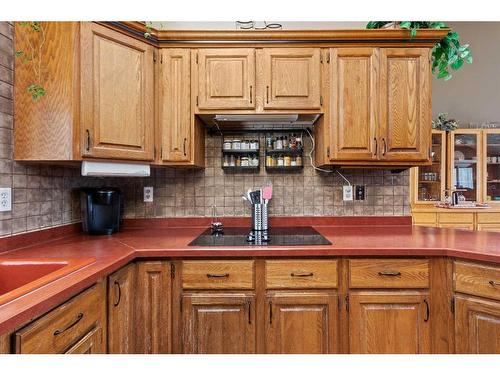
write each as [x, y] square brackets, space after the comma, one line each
[91, 343]
[405, 104]
[218, 274]
[73, 320]
[121, 305]
[296, 274]
[219, 323]
[45, 129]
[354, 103]
[291, 78]
[477, 279]
[153, 311]
[389, 273]
[477, 326]
[388, 323]
[5, 343]
[175, 117]
[226, 78]
[117, 103]
[304, 322]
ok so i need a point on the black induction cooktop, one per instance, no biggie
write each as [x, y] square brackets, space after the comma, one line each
[282, 236]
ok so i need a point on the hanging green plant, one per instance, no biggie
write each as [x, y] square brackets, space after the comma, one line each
[34, 57]
[447, 55]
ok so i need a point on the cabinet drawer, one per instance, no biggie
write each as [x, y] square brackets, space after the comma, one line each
[478, 280]
[301, 274]
[236, 274]
[456, 217]
[389, 273]
[56, 331]
[488, 217]
[420, 218]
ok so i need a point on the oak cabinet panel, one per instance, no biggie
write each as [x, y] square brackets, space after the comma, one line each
[153, 311]
[299, 274]
[175, 105]
[117, 95]
[302, 323]
[91, 343]
[354, 103]
[226, 78]
[218, 274]
[405, 97]
[477, 326]
[389, 323]
[219, 323]
[121, 302]
[291, 78]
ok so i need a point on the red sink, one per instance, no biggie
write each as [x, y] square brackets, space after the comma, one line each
[20, 276]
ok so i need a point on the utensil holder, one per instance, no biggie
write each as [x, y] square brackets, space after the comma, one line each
[260, 217]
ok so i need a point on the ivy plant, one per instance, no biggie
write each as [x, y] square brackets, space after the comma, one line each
[447, 55]
[33, 56]
[442, 122]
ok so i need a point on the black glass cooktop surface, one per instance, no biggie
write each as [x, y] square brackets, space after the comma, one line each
[282, 236]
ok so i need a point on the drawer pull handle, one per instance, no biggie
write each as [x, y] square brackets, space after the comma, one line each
[217, 275]
[427, 311]
[389, 273]
[117, 284]
[493, 283]
[302, 274]
[62, 330]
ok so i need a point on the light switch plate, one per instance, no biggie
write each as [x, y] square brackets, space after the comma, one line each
[5, 199]
[148, 194]
[347, 192]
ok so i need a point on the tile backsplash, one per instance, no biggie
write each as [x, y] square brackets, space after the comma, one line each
[46, 195]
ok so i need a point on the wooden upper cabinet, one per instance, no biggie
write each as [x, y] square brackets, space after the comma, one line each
[175, 105]
[219, 323]
[302, 323]
[290, 78]
[477, 326]
[354, 103]
[117, 95]
[389, 323]
[121, 302]
[226, 78]
[405, 111]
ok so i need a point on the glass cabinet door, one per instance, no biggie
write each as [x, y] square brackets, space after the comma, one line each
[465, 164]
[431, 178]
[492, 175]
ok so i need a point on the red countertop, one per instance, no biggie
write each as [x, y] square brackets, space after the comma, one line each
[163, 239]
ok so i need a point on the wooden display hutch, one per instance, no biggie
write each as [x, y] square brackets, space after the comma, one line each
[467, 160]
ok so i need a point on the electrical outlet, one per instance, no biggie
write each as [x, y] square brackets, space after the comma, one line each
[347, 192]
[360, 192]
[5, 199]
[148, 194]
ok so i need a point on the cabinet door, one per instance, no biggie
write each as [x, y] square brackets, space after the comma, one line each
[219, 323]
[117, 95]
[91, 343]
[302, 323]
[121, 301]
[291, 78]
[389, 323]
[226, 78]
[175, 105]
[354, 103]
[153, 295]
[405, 96]
[477, 326]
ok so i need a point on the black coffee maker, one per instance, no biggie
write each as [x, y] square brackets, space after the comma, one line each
[102, 210]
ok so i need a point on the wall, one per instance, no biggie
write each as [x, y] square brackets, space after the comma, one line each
[47, 195]
[472, 94]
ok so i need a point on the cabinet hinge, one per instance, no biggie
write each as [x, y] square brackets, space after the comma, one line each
[321, 100]
[452, 305]
[196, 57]
[197, 100]
[172, 270]
[328, 151]
[347, 302]
[328, 57]
[154, 56]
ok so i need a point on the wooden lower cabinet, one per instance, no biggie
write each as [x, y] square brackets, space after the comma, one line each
[302, 322]
[121, 302]
[89, 344]
[477, 325]
[219, 323]
[389, 323]
[152, 301]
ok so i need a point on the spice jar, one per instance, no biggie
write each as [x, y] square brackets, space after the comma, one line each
[269, 161]
[281, 161]
[227, 145]
[254, 144]
[225, 163]
[244, 161]
[232, 161]
[236, 144]
[298, 160]
[287, 160]
[245, 145]
[293, 162]
[238, 161]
